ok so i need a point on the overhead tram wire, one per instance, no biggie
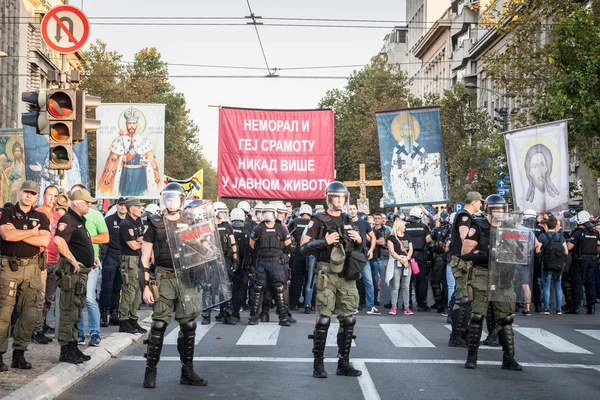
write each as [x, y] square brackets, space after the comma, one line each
[262, 49]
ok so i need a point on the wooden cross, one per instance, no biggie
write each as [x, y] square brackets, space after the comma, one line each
[362, 183]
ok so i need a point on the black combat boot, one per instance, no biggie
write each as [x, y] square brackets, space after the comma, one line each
[344, 342]
[68, 355]
[155, 343]
[456, 339]
[185, 345]
[281, 307]
[114, 317]
[473, 338]
[125, 326]
[206, 316]
[80, 353]
[307, 309]
[492, 328]
[3, 367]
[18, 360]
[507, 340]
[40, 338]
[104, 317]
[591, 309]
[291, 319]
[437, 295]
[48, 328]
[319, 338]
[134, 324]
[254, 304]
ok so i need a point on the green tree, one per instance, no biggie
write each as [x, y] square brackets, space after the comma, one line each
[146, 81]
[378, 86]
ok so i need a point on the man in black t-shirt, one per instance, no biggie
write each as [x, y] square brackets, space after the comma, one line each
[73, 241]
[23, 231]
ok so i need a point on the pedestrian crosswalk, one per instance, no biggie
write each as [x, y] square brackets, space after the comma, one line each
[400, 336]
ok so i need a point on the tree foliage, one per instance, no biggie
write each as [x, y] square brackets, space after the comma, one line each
[378, 86]
[146, 81]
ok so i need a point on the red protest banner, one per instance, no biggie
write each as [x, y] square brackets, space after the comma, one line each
[273, 154]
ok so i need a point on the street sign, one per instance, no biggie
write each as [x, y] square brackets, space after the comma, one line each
[506, 178]
[65, 29]
[503, 185]
[503, 192]
[458, 206]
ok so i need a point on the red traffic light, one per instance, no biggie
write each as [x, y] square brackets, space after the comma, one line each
[60, 104]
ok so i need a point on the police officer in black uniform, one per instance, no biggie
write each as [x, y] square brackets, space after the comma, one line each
[240, 274]
[230, 254]
[530, 221]
[112, 281]
[269, 240]
[584, 244]
[23, 232]
[298, 261]
[440, 235]
[164, 292]
[419, 235]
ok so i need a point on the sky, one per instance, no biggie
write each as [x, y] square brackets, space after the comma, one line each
[285, 47]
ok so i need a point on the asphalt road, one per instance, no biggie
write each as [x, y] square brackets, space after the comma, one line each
[400, 356]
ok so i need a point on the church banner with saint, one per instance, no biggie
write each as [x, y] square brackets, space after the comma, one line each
[130, 150]
[538, 162]
[412, 157]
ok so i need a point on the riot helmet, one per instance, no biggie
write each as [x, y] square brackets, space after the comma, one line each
[444, 218]
[258, 209]
[281, 209]
[269, 212]
[495, 206]
[172, 197]
[362, 215]
[529, 213]
[297, 212]
[244, 206]
[237, 214]
[390, 216]
[336, 189]
[400, 215]
[305, 209]
[582, 217]
[221, 210]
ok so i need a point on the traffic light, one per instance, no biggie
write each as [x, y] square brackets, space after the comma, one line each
[61, 112]
[502, 119]
[37, 117]
[85, 103]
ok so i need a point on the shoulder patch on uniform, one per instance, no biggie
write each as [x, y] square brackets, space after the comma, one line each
[472, 231]
[34, 223]
[310, 224]
[62, 226]
[131, 233]
[465, 218]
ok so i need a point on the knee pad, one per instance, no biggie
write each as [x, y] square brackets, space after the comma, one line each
[508, 320]
[278, 287]
[323, 321]
[463, 301]
[476, 318]
[189, 326]
[349, 321]
[158, 325]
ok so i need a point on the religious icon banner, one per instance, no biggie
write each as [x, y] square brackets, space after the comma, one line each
[411, 149]
[12, 165]
[130, 150]
[36, 161]
[275, 154]
[538, 162]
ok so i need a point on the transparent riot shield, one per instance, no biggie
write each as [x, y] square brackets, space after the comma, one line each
[197, 258]
[511, 261]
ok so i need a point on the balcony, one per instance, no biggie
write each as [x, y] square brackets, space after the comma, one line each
[460, 55]
[463, 20]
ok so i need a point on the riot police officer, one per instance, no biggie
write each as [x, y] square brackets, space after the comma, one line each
[270, 240]
[282, 218]
[475, 250]
[248, 220]
[439, 236]
[331, 236]
[240, 273]
[23, 232]
[230, 253]
[258, 209]
[298, 262]
[460, 228]
[166, 292]
[419, 235]
[584, 244]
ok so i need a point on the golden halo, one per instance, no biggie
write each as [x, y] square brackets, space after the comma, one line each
[404, 122]
[141, 122]
[546, 142]
[9, 147]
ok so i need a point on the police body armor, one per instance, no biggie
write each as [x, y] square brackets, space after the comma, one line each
[589, 246]
[226, 244]
[510, 262]
[162, 252]
[299, 225]
[417, 232]
[270, 244]
[242, 236]
[483, 246]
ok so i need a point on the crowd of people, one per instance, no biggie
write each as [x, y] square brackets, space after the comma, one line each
[275, 255]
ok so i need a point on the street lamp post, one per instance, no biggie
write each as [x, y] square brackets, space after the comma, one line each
[502, 112]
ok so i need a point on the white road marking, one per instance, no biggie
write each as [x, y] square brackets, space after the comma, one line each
[590, 332]
[484, 336]
[263, 334]
[405, 335]
[332, 335]
[201, 331]
[366, 383]
[366, 361]
[551, 341]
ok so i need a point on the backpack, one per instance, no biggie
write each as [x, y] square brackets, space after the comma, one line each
[553, 255]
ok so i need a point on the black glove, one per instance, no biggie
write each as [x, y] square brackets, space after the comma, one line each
[235, 265]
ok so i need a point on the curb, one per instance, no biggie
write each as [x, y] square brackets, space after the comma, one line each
[61, 377]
